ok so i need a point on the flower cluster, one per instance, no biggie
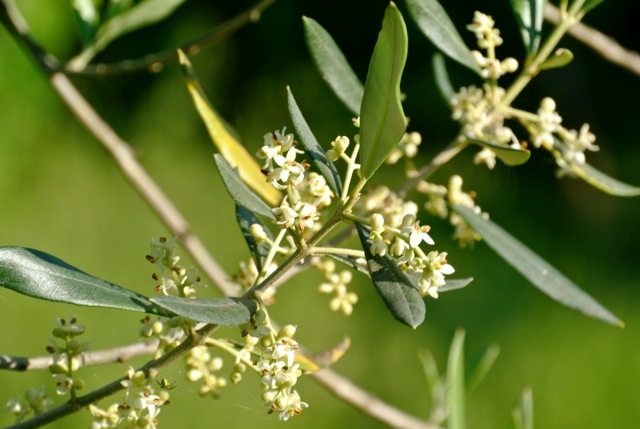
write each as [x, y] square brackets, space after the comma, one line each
[140, 408]
[440, 197]
[173, 278]
[280, 374]
[336, 283]
[35, 400]
[169, 333]
[489, 38]
[202, 366]
[67, 358]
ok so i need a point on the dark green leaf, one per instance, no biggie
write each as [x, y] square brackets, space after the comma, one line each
[455, 382]
[560, 58]
[523, 413]
[603, 182]
[442, 77]
[538, 271]
[312, 147]
[399, 294]
[239, 191]
[333, 66]
[43, 276]
[259, 251]
[506, 154]
[453, 284]
[437, 26]
[88, 17]
[529, 14]
[382, 120]
[220, 311]
[482, 367]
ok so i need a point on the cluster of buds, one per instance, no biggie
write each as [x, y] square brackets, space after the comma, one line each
[173, 278]
[201, 365]
[67, 358]
[35, 401]
[489, 38]
[169, 333]
[336, 283]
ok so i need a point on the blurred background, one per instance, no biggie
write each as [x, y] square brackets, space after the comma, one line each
[62, 194]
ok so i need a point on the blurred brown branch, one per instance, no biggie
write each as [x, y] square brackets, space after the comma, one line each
[602, 44]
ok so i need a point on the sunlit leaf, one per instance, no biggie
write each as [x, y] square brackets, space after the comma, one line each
[382, 120]
[259, 251]
[315, 362]
[538, 271]
[453, 284]
[229, 147]
[482, 367]
[312, 148]
[506, 154]
[220, 311]
[333, 66]
[603, 182]
[455, 382]
[442, 77]
[529, 14]
[40, 275]
[239, 191]
[399, 294]
[434, 22]
[523, 413]
[560, 58]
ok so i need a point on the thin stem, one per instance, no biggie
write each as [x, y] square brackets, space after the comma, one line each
[351, 166]
[336, 251]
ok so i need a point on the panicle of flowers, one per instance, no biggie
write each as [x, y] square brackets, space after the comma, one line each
[35, 401]
[202, 366]
[67, 357]
[440, 197]
[279, 152]
[173, 278]
[336, 283]
[280, 374]
[382, 200]
[141, 405]
[168, 332]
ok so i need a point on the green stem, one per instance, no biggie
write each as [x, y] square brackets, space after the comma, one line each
[336, 251]
[351, 166]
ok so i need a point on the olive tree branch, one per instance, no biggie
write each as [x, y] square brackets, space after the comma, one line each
[602, 44]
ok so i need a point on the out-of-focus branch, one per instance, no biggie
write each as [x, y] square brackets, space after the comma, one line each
[602, 44]
[95, 357]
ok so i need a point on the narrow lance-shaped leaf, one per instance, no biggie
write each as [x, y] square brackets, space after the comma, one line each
[399, 294]
[312, 148]
[507, 154]
[454, 284]
[560, 58]
[434, 22]
[529, 14]
[482, 367]
[229, 147]
[259, 251]
[590, 4]
[442, 77]
[523, 413]
[333, 66]
[239, 191]
[603, 182]
[382, 120]
[455, 382]
[538, 271]
[40, 275]
[220, 311]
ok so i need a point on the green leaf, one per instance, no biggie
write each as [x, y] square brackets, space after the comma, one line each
[333, 66]
[603, 182]
[560, 58]
[259, 251]
[229, 147]
[145, 13]
[239, 191]
[523, 413]
[220, 311]
[434, 22]
[507, 154]
[529, 14]
[590, 4]
[538, 271]
[442, 77]
[43, 276]
[455, 382]
[87, 16]
[382, 120]
[399, 294]
[482, 367]
[312, 147]
[453, 284]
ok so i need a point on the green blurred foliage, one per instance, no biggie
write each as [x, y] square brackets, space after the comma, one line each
[63, 195]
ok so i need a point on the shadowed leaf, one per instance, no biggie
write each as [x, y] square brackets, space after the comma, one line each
[220, 311]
